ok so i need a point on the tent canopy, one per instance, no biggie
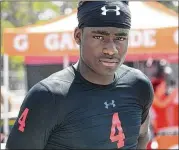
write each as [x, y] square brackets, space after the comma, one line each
[154, 34]
[150, 18]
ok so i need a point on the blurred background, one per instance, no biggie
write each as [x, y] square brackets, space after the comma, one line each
[37, 40]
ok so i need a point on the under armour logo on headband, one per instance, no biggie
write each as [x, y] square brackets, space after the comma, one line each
[105, 10]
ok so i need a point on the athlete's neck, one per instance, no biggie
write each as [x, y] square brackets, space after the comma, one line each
[91, 75]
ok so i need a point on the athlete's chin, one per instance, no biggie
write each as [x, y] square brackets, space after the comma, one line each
[107, 71]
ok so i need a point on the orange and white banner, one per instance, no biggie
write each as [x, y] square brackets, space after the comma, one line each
[148, 42]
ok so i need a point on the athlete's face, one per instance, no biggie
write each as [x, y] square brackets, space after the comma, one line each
[102, 49]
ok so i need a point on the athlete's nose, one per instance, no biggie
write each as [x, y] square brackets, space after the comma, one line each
[110, 48]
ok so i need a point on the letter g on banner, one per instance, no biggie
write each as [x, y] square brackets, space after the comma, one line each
[20, 42]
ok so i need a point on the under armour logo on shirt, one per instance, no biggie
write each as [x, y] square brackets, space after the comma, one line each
[109, 104]
[105, 10]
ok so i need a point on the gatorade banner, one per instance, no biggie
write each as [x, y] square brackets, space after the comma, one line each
[143, 43]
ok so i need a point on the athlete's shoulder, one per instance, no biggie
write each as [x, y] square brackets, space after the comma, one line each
[46, 92]
[141, 78]
[59, 82]
[132, 74]
[138, 81]
[38, 97]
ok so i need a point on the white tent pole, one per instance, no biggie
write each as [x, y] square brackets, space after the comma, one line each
[65, 61]
[6, 103]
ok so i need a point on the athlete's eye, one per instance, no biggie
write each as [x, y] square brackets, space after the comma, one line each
[99, 37]
[121, 38]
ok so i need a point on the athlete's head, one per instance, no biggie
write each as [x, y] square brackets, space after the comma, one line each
[102, 34]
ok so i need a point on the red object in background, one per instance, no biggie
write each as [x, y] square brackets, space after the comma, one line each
[149, 145]
[37, 60]
[164, 107]
[165, 120]
[156, 82]
[163, 142]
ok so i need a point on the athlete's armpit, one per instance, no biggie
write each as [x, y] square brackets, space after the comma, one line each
[144, 134]
[36, 119]
[144, 91]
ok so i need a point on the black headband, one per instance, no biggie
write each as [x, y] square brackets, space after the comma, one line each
[104, 14]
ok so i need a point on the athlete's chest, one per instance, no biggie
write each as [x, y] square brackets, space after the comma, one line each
[102, 119]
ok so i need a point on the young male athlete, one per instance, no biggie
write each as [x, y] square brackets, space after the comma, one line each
[98, 103]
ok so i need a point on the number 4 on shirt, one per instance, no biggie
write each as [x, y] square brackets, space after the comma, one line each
[117, 136]
[22, 120]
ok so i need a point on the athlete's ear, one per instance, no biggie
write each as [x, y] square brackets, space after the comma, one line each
[78, 35]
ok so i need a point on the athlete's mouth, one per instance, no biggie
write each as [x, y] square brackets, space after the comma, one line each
[106, 60]
[109, 62]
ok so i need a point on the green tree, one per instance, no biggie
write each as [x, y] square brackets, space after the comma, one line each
[19, 14]
[170, 5]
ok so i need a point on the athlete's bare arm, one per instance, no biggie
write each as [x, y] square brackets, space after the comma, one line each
[144, 136]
